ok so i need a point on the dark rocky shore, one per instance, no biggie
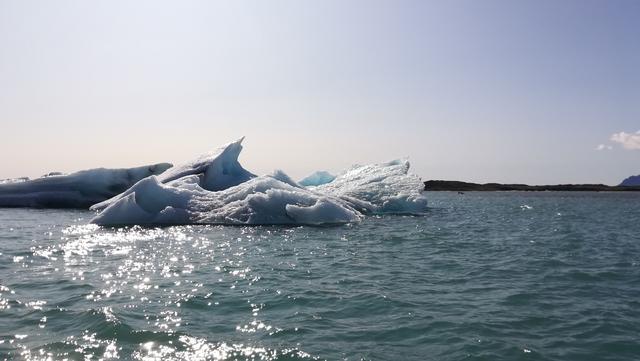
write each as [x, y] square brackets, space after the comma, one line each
[443, 185]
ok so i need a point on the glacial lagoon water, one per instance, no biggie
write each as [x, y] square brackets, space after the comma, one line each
[482, 276]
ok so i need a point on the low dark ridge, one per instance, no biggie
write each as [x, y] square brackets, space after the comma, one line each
[444, 185]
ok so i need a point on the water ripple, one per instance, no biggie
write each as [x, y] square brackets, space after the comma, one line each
[480, 277]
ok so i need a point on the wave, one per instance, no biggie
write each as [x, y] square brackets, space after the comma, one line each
[106, 336]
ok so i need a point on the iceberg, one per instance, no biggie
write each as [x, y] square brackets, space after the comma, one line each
[76, 190]
[317, 178]
[215, 189]
[14, 180]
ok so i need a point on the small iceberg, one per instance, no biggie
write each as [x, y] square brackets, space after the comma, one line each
[216, 189]
[317, 178]
[76, 190]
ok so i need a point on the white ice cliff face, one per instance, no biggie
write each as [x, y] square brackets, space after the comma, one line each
[215, 189]
[76, 190]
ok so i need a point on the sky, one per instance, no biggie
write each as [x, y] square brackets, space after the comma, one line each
[538, 92]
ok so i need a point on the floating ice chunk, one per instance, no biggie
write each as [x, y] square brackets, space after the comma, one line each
[404, 203]
[322, 211]
[14, 180]
[76, 190]
[317, 178]
[379, 188]
[213, 171]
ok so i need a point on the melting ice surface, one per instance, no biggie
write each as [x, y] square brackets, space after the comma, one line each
[76, 190]
[215, 189]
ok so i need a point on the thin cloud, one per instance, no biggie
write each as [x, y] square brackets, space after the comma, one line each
[629, 141]
[604, 147]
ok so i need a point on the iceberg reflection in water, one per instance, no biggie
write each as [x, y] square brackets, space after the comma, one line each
[215, 189]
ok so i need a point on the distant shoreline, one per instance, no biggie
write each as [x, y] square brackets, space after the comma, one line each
[445, 185]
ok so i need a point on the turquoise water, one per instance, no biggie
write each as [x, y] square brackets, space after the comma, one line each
[483, 276]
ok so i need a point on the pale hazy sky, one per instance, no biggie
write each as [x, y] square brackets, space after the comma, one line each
[507, 91]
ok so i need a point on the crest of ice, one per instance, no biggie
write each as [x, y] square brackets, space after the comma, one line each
[215, 189]
[216, 171]
[76, 190]
[213, 171]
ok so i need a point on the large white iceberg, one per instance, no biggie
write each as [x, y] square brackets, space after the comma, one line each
[76, 190]
[215, 189]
